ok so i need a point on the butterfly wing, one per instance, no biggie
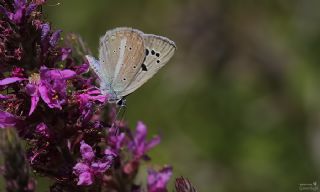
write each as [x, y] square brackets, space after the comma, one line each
[159, 51]
[121, 54]
[95, 66]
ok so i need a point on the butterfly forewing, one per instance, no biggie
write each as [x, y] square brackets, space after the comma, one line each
[121, 54]
[158, 51]
[95, 66]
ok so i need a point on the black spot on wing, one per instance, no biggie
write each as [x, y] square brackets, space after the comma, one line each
[144, 67]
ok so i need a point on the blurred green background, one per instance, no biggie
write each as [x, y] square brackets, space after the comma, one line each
[238, 106]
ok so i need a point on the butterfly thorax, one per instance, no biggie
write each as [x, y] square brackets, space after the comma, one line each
[113, 97]
[112, 94]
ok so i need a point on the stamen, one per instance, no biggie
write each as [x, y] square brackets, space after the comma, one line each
[34, 78]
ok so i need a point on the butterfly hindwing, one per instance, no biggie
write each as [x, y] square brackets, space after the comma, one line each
[121, 54]
[158, 51]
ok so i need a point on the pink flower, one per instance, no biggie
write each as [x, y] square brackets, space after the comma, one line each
[91, 95]
[86, 152]
[65, 52]
[42, 129]
[86, 101]
[139, 145]
[50, 85]
[157, 181]
[90, 166]
[17, 72]
[21, 9]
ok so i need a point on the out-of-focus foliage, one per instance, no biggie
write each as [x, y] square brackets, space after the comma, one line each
[238, 106]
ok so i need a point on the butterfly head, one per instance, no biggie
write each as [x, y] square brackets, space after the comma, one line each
[113, 98]
[120, 101]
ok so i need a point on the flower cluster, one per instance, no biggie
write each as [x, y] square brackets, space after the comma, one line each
[49, 96]
[89, 166]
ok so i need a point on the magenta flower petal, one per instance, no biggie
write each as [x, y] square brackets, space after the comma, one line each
[81, 168]
[85, 178]
[55, 38]
[141, 132]
[109, 152]
[65, 52]
[56, 74]
[31, 8]
[44, 92]
[10, 80]
[34, 103]
[84, 68]
[45, 28]
[7, 119]
[17, 16]
[154, 141]
[68, 74]
[32, 90]
[157, 181]
[91, 95]
[139, 145]
[101, 167]
[4, 96]
[19, 3]
[86, 152]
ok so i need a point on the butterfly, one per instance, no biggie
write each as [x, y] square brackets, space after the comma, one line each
[128, 58]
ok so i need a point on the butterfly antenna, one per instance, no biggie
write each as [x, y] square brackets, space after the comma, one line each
[54, 5]
[114, 121]
[121, 116]
[124, 107]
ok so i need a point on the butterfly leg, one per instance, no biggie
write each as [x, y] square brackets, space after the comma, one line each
[121, 105]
